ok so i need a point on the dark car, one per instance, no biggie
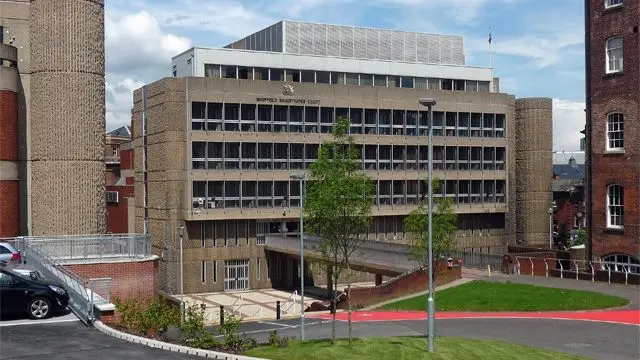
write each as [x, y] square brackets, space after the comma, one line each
[34, 296]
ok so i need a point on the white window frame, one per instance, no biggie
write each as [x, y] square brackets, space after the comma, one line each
[112, 196]
[609, 50]
[608, 4]
[615, 200]
[615, 125]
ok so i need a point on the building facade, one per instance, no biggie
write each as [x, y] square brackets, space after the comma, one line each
[119, 179]
[61, 112]
[216, 146]
[613, 133]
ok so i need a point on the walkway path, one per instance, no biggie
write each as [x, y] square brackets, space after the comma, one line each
[627, 317]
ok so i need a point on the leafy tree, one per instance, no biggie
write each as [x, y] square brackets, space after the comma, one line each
[338, 203]
[580, 238]
[445, 224]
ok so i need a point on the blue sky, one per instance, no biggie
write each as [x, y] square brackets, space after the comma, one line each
[538, 45]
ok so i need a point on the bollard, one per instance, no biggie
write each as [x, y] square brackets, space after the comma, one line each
[278, 310]
[221, 315]
[489, 269]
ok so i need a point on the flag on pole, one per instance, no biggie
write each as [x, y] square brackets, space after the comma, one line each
[490, 37]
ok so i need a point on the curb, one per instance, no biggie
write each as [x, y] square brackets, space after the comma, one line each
[168, 346]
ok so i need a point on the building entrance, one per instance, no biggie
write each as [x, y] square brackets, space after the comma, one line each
[236, 275]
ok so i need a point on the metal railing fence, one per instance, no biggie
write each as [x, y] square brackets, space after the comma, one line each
[87, 247]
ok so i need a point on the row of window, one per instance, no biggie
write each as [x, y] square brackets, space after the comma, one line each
[340, 78]
[312, 119]
[241, 232]
[298, 156]
[273, 194]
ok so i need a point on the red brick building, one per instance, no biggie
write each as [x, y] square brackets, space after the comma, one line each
[119, 181]
[612, 130]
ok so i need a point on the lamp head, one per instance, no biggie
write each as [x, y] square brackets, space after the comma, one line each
[181, 230]
[427, 102]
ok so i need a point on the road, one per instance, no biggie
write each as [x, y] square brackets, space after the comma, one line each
[71, 340]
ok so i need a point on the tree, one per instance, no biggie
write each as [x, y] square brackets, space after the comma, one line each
[338, 203]
[445, 225]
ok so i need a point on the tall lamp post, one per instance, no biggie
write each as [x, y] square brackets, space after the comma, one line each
[551, 210]
[181, 234]
[430, 103]
[300, 177]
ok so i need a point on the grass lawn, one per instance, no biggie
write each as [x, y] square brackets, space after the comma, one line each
[497, 296]
[405, 348]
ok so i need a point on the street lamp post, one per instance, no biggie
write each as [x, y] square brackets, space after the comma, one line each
[551, 210]
[181, 234]
[300, 177]
[430, 103]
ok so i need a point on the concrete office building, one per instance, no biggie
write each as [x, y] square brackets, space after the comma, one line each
[60, 112]
[613, 132]
[216, 144]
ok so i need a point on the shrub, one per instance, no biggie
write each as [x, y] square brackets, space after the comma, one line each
[193, 326]
[147, 318]
[277, 341]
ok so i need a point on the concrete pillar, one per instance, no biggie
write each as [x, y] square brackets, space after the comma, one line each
[534, 170]
[67, 117]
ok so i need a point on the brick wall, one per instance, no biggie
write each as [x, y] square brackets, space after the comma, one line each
[9, 186]
[618, 92]
[406, 284]
[118, 213]
[128, 279]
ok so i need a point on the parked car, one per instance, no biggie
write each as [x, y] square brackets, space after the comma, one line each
[23, 270]
[9, 254]
[24, 292]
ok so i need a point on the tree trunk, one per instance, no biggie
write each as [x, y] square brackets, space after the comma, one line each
[349, 298]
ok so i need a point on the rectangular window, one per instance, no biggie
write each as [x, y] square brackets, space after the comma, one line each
[215, 271]
[212, 70]
[228, 72]
[615, 131]
[203, 271]
[614, 54]
[612, 3]
[258, 269]
[615, 206]
[111, 196]
[268, 268]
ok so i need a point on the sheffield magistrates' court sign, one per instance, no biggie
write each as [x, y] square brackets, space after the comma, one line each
[287, 90]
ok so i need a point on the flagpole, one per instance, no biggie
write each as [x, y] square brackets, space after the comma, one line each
[490, 60]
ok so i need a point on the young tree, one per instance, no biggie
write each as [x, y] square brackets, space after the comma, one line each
[445, 224]
[338, 203]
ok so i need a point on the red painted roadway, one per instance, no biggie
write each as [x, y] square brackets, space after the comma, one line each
[629, 317]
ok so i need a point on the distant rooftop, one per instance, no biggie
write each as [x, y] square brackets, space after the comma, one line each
[295, 37]
[123, 131]
[571, 171]
[563, 157]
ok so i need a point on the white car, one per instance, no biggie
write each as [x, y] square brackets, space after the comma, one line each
[9, 254]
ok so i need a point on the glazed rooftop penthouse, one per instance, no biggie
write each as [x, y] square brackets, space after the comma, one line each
[343, 55]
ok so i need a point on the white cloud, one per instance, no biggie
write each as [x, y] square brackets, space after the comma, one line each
[137, 51]
[223, 17]
[568, 120]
